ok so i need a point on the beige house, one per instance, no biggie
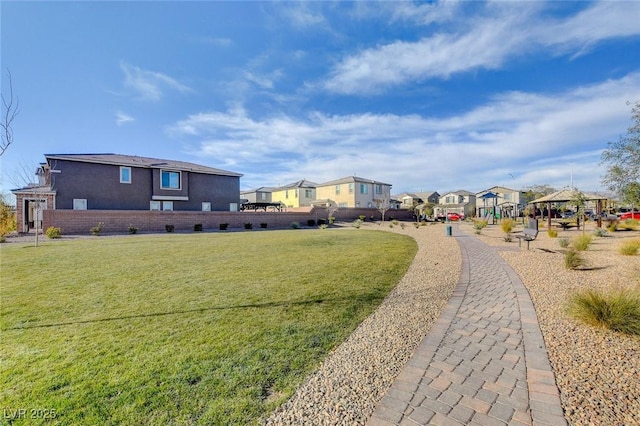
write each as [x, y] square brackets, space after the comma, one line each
[500, 202]
[354, 191]
[461, 202]
[296, 194]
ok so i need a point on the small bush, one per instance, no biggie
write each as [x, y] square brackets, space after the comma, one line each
[507, 238]
[53, 232]
[248, 225]
[416, 225]
[332, 219]
[311, 222]
[263, 225]
[612, 225]
[357, 223]
[553, 233]
[133, 229]
[169, 228]
[507, 225]
[97, 230]
[573, 259]
[395, 222]
[630, 248]
[323, 226]
[197, 227]
[600, 232]
[322, 222]
[564, 242]
[630, 224]
[618, 311]
[479, 225]
[582, 242]
[362, 217]
[295, 225]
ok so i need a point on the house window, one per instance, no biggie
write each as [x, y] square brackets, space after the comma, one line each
[154, 205]
[167, 206]
[233, 207]
[125, 174]
[364, 188]
[378, 189]
[342, 205]
[286, 194]
[308, 193]
[350, 188]
[79, 203]
[206, 206]
[507, 196]
[337, 189]
[263, 196]
[170, 180]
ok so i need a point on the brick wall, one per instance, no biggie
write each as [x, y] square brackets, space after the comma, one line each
[118, 221]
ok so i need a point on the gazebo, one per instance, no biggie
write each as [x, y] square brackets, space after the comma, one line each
[566, 195]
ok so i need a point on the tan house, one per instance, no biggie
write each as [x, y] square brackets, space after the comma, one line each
[460, 202]
[412, 199]
[500, 202]
[296, 194]
[354, 191]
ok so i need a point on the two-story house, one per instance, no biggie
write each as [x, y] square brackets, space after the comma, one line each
[460, 202]
[354, 191]
[412, 199]
[499, 202]
[258, 195]
[297, 194]
[126, 182]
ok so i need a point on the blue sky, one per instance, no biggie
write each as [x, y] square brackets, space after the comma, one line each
[422, 95]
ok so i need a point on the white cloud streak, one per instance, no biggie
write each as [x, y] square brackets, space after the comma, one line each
[122, 118]
[486, 41]
[473, 150]
[149, 85]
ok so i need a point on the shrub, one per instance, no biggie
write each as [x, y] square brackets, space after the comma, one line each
[600, 232]
[564, 242]
[53, 232]
[618, 311]
[357, 223]
[97, 230]
[507, 225]
[197, 227]
[311, 222]
[553, 233]
[169, 228]
[581, 242]
[479, 225]
[416, 225]
[323, 226]
[263, 225]
[322, 222]
[612, 225]
[295, 225]
[248, 225]
[395, 222]
[402, 225]
[133, 229]
[331, 220]
[630, 248]
[362, 217]
[507, 238]
[223, 226]
[630, 224]
[573, 259]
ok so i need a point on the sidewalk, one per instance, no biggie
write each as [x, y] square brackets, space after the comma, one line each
[484, 362]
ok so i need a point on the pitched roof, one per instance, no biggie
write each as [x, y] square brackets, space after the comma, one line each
[144, 162]
[352, 179]
[297, 184]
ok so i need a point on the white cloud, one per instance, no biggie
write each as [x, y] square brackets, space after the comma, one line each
[149, 85]
[474, 149]
[487, 40]
[122, 118]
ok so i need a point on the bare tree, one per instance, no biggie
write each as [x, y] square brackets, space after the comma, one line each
[331, 209]
[382, 204]
[10, 111]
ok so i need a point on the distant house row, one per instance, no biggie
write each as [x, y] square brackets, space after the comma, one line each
[124, 182]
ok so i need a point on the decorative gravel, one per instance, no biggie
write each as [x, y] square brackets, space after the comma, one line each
[353, 379]
[597, 371]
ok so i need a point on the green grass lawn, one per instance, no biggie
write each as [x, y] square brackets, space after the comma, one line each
[216, 328]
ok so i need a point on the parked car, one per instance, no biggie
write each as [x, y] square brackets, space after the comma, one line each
[630, 215]
[454, 216]
[567, 215]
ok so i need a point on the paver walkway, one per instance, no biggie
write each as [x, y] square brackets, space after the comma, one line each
[484, 362]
